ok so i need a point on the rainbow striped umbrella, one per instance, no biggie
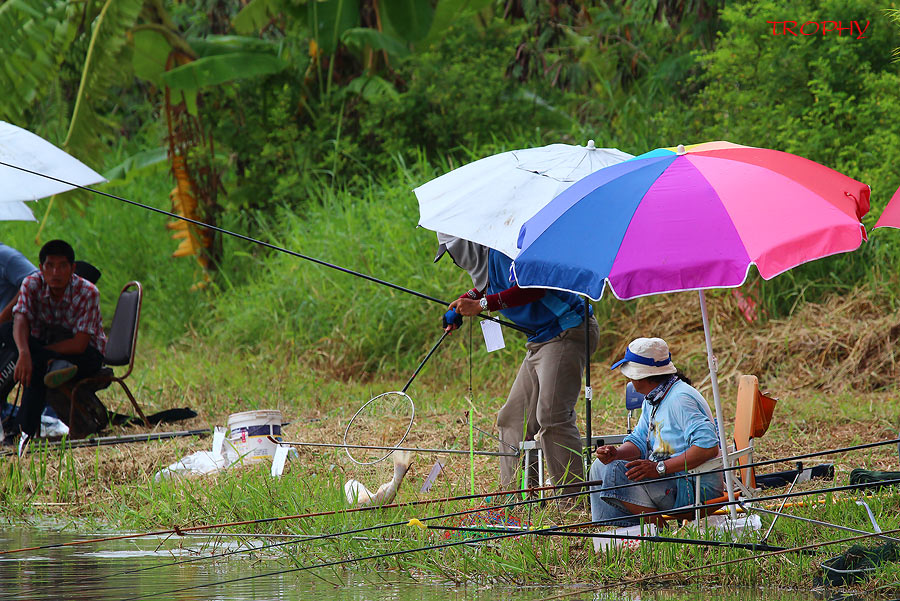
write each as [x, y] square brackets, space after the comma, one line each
[890, 217]
[691, 218]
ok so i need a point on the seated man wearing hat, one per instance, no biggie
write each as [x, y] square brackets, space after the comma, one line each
[675, 433]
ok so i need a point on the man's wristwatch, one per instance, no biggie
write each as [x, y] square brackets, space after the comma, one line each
[483, 303]
[661, 468]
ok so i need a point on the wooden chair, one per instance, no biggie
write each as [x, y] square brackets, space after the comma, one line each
[120, 348]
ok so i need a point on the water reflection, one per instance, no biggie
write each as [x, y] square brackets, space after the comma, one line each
[95, 572]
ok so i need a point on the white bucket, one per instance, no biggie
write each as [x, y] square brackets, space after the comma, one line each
[248, 434]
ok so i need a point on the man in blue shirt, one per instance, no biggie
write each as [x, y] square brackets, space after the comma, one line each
[675, 433]
[14, 268]
[541, 402]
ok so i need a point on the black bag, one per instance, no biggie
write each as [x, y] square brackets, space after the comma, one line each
[8, 358]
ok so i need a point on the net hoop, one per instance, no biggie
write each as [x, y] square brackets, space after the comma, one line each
[412, 417]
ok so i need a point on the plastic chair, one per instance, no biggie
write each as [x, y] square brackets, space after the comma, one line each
[120, 346]
[633, 400]
[752, 418]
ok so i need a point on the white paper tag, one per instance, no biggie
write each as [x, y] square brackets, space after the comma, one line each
[218, 440]
[493, 335]
[281, 453]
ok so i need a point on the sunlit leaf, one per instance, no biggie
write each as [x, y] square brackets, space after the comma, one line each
[256, 15]
[449, 12]
[372, 88]
[220, 68]
[151, 50]
[329, 19]
[227, 44]
[360, 37]
[411, 19]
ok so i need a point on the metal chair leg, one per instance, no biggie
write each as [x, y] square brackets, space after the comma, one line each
[133, 401]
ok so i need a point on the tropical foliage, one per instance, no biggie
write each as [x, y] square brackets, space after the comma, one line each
[265, 108]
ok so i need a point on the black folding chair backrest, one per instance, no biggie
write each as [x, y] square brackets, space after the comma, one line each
[122, 338]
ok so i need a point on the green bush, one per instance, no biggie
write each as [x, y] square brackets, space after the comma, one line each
[457, 95]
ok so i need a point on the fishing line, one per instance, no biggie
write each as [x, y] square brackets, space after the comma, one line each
[713, 565]
[265, 244]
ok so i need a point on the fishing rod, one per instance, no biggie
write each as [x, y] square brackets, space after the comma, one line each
[180, 531]
[352, 560]
[649, 538]
[420, 523]
[114, 440]
[713, 565]
[265, 244]
[816, 522]
[384, 448]
[312, 538]
[532, 490]
[504, 535]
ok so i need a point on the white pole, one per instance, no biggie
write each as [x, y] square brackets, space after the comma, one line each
[720, 418]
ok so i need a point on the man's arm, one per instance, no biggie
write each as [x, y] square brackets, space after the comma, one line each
[644, 469]
[75, 345]
[511, 297]
[21, 333]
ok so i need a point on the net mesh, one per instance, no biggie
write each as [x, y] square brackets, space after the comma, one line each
[383, 421]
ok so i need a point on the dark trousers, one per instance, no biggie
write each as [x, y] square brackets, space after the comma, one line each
[34, 396]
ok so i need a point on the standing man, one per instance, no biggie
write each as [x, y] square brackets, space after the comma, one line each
[541, 402]
[14, 268]
[57, 329]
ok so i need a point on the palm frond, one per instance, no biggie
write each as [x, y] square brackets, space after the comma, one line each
[107, 62]
[36, 35]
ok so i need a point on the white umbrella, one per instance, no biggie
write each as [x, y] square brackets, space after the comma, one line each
[24, 149]
[487, 201]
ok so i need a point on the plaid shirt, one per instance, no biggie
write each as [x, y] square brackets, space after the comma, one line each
[77, 311]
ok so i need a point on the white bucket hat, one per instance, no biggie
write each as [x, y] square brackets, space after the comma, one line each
[646, 357]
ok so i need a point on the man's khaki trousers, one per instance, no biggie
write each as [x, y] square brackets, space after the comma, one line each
[541, 405]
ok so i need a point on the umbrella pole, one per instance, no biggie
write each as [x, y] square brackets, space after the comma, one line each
[720, 418]
[588, 393]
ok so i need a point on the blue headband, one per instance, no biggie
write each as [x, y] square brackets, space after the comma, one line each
[634, 358]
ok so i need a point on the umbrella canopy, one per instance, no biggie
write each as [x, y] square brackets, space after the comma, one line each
[487, 201]
[890, 217]
[24, 149]
[690, 218]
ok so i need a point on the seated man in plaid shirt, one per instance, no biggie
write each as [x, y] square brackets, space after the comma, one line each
[57, 329]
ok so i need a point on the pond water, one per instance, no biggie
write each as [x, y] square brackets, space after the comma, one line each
[109, 571]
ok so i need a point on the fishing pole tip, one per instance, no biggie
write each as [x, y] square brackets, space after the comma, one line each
[417, 524]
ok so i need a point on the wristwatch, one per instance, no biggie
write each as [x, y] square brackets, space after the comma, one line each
[483, 303]
[661, 468]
